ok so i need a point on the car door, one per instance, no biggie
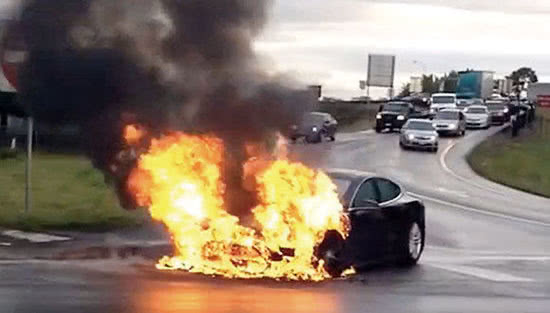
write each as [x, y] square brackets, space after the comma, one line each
[392, 213]
[366, 218]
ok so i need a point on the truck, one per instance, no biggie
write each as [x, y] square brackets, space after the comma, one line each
[474, 85]
[539, 93]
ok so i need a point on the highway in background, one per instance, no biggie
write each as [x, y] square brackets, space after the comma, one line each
[487, 251]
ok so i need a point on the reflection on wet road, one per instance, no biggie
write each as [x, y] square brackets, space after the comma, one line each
[473, 262]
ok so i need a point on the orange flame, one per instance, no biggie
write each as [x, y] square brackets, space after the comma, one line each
[133, 134]
[179, 179]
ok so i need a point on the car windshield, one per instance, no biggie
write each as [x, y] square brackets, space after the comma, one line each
[445, 99]
[396, 107]
[447, 115]
[476, 110]
[313, 119]
[342, 186]
[418, 125]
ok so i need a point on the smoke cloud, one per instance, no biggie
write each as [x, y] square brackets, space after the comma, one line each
[166, 64]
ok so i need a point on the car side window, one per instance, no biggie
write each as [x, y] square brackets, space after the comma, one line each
[367, 192]
[388, 190]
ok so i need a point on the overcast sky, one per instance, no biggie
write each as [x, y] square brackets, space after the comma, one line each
[327, 41]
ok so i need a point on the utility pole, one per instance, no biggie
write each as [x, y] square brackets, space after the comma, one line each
[28, 166]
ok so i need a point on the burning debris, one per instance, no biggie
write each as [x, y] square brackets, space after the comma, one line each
[176, 111]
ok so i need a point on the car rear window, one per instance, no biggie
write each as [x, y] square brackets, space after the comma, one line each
[342, 186]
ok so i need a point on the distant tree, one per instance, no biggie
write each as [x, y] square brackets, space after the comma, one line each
[431, 83]
[522, 76]
[405, 90]
[450, 82]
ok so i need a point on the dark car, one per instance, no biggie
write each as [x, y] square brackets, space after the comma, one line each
[315, 127]
[499, 111]
[393, 115]
[386, 224]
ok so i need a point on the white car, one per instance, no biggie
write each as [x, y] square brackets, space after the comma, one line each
[441, 101]
[477, 116]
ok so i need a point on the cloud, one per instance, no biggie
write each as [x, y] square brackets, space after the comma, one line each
[508, 6]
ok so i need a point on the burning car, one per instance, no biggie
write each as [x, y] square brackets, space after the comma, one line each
[386, 224]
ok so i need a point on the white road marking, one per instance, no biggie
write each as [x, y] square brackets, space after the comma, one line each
[34, 237]
[443, 163]
[5, 244]
[453, 192]
[483, 212]
[482, 273]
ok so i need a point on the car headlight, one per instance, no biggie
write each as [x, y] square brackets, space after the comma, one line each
[401, 118]
[452, 125]
[506, 110]
[378, 116]
[314, 129]
[410, 136]
[433, 137]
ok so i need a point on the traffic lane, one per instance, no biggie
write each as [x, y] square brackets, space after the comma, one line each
[97, 287]
[420, 172]
[424, 172]
[517, 202]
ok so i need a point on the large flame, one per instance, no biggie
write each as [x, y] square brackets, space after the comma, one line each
[179, 179]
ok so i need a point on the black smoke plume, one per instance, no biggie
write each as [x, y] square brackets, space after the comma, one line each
[166, 64]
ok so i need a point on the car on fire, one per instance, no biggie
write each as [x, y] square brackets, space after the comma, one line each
[315, 127]
[387, 224]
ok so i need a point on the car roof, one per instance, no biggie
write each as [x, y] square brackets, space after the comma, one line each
[444, 95]
[318, 113]
[349, 174]
[398, 102]
[477, 107]
[451, 110]
[419, 120]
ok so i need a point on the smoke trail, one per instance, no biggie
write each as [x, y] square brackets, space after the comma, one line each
[167, 64]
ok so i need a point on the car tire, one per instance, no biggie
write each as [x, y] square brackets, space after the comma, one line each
[332, 251]
[412, 245]
[333, 138]
[378, 130]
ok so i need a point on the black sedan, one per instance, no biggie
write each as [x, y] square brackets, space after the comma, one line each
[315, 127]
[386, 224]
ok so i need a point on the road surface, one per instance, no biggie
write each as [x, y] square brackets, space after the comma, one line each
[487, 251]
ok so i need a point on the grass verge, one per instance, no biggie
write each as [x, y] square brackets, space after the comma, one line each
[522, 163]
[352, 117]
[68, 194]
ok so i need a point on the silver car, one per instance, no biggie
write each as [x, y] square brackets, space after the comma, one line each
[417, 133]
[450, 122]
[477, 116]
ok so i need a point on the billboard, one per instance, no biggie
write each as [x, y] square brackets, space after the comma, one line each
[381, 70]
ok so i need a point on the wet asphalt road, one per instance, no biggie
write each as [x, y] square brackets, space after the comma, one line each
[488, 251]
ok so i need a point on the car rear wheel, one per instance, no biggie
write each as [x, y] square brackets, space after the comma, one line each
[413, 245]
[378, 130]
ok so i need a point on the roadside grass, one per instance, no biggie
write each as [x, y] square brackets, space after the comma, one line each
[352, 117]
[522, 163]
[68, 194]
